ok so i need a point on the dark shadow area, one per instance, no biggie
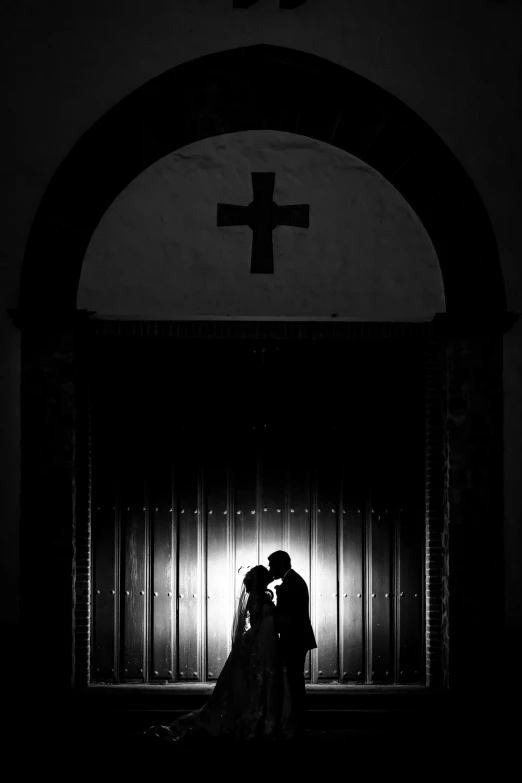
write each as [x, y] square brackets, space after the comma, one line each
[408, 732]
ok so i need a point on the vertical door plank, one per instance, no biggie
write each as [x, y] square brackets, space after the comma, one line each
[381, 590]
[271, 493]
[245, 500]
[409, 599]
[217, 563]
[188, 584]
[351, 602]
[409, 480]
[410, 595]
[298, 509]
[299, 500]
[163, 563]
[381, 417]
[326, 582]
[133, 517]
[105, 582]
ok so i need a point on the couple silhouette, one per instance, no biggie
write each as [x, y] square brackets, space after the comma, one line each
[260, 693]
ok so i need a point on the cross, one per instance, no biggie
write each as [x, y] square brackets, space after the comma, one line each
[262, 215]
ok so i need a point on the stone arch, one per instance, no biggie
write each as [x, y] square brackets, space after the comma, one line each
[263, 87]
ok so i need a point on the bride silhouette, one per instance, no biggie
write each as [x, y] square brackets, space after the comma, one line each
[251, 699]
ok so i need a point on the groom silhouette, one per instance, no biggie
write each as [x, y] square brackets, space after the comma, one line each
[295, 632]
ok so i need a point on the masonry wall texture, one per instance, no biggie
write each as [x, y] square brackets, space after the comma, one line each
[437, 551]
[48, 516]
[474, 505]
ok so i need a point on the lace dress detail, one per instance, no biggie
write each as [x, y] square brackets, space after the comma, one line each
[247, 701]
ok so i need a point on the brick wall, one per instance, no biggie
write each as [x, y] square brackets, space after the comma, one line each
[48, 492]
[437, 641]
[83, 573]
[473, 506]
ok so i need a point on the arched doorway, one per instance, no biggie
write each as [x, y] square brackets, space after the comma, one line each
[248, 88]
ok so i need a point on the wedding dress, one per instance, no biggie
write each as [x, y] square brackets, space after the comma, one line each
[251, 698]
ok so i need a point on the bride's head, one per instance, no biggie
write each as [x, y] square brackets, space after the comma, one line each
[257, 579]
[253, 588]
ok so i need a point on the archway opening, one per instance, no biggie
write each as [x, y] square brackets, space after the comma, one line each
[255, 88]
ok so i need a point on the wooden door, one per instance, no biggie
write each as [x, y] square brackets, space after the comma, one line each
[209, 455]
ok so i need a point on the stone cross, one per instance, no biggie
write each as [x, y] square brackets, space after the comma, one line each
[262, 215]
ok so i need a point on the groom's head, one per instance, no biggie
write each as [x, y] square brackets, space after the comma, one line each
[279, 563]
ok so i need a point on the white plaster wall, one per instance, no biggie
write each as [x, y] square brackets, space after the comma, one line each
[157, 252]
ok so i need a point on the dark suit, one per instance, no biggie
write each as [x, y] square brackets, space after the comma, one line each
[297, 637]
